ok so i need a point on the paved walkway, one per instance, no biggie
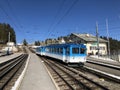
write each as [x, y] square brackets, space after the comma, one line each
[36, 76]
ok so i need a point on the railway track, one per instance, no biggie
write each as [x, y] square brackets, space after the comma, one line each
[106, 65]
[31, 50]
[9, 69]
[70, 79]
[24, 50]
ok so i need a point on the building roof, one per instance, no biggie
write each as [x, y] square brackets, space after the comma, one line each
[89, 37]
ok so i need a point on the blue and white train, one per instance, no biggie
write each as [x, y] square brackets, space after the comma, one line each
[68, 53]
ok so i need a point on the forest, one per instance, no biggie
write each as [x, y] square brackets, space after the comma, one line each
[114, 44]
[5, 31]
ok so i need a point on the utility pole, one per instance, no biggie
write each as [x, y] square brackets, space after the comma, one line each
[108, 38]
[97, 36]
[9, 37]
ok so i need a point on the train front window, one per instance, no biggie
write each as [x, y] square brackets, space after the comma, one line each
[82, 50]
[75, 50]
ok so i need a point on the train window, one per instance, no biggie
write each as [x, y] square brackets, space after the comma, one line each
[53, 50]
[75, 50]
[82, 50]
[67, 50]
[50, 49]
[47, 49]
[57, 50]
[61, 50]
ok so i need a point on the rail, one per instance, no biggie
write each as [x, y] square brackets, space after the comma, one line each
[71, 79]
[9, 69]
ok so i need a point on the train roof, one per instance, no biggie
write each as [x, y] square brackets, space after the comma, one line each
[66, 45]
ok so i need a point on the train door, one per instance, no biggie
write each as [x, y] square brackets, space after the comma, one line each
[64, 56]
[67, 54]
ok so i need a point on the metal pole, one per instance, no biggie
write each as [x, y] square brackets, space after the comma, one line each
[97, 35]
[9, 37]
[108, 38]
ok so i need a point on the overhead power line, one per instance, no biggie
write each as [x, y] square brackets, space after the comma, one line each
[57, 14]
[10, 18]
[13, 14]
[67, 12]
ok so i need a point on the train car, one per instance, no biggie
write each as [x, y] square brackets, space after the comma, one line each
[40, 50]
[68, 53]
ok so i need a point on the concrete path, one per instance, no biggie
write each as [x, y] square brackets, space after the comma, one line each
[36, 76]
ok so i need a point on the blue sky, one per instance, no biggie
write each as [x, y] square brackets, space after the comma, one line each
[41, 19]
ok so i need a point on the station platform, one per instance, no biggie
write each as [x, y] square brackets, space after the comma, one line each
[103, 60]
[8, 57]
[36, 76]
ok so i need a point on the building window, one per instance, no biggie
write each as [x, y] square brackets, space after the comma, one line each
[102, 48]
[92, 48]
[95, 48]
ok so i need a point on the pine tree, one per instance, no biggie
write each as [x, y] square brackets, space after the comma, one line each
[4, 32]
[25, 42]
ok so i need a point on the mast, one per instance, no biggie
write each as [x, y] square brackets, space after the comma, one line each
[97, 35]
[108, 37]
[9, 37]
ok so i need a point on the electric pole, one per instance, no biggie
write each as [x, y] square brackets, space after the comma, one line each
[97, 35]
[108, 37]
[9, 37]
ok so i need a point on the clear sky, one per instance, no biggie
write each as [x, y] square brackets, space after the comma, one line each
[41, 19]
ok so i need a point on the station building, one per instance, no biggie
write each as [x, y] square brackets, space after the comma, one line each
[91, 43]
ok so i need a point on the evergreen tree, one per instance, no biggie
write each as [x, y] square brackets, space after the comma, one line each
[114, 44]
[25, 42]
[5, 29]
[37, 43]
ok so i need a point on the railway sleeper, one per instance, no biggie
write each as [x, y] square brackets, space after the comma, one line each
[76, 87]
[64, 87]
[59, 81]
